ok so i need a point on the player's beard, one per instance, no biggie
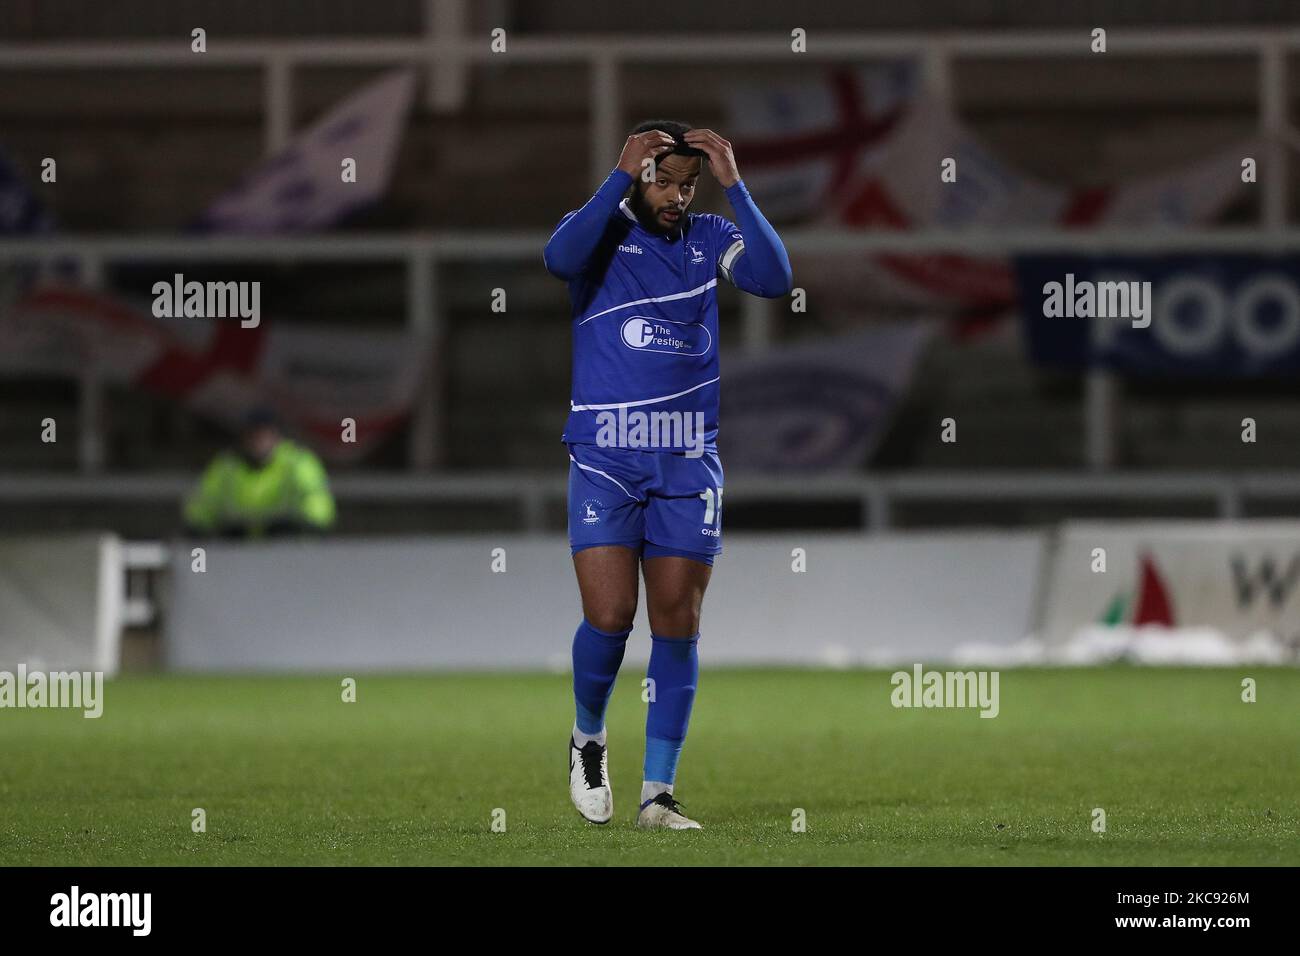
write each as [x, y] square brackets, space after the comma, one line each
[649, 216]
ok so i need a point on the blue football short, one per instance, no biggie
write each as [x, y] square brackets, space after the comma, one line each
[658, 503]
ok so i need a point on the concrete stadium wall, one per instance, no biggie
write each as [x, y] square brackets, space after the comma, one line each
[436, 603]
[61, 602]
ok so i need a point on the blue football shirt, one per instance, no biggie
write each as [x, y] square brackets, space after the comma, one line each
[645, 328]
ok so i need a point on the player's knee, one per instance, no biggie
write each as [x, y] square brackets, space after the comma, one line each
[612, 618]
[678, 621]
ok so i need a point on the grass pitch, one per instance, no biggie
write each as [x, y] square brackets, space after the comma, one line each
[412, 772]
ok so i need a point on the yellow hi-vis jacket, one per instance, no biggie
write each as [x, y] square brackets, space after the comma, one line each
[291, 489]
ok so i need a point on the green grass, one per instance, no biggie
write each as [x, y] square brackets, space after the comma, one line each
[1187, 773]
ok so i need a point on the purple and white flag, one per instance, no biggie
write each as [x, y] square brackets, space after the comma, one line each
[301, 188]
[817, 406]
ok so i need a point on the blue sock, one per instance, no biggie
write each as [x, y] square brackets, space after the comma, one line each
[596, 658]
[675, 670]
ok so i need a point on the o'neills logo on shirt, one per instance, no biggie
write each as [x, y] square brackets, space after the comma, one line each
[635, 250]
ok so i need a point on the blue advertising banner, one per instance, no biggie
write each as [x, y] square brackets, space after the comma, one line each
[1224, 315]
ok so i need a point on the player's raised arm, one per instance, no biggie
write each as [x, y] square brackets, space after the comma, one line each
[571, 245]
[759, 265]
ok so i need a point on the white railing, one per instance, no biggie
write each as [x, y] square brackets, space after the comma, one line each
[423, 253]
[448, 52]
[1226, 494]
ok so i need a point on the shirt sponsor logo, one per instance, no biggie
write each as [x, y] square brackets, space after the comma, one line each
[645, 334]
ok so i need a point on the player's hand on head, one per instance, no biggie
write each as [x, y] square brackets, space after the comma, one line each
[642, 146]
[721, 159]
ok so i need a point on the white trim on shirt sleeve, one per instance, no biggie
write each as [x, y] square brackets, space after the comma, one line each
[728, 259]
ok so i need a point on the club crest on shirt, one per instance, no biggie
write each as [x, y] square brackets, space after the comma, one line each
[697, 252]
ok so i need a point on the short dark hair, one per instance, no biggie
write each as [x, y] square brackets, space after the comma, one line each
[260, 416]
[674, 128]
